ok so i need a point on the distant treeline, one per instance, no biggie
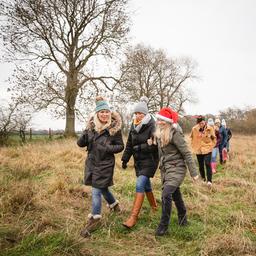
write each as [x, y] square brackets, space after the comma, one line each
[239, 121]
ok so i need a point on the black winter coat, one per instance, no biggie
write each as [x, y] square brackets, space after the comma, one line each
[100, 162]
[145, 157]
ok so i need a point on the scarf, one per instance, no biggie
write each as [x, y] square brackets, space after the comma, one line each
[145, 120]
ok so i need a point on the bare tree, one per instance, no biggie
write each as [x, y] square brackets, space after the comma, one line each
[12, 118]
[22, 120]
[250, 121]
[163, 80]
[232, 114]
[7, 122]
[240, 120]
[61, 41]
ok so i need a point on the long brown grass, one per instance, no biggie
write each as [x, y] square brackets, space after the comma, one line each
[41, 194]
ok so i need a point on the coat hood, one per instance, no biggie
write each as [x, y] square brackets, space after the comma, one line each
[115, 126]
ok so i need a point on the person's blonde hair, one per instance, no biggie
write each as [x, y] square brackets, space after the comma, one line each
[163, 133]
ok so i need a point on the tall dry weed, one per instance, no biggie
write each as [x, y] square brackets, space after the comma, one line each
[228, 244]
[41, 192]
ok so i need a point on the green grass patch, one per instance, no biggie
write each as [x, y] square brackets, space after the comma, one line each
[50, 244]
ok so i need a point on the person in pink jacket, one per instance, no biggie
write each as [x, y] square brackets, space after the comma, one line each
[215, 150]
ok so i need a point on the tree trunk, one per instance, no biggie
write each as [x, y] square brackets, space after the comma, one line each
[70, 122]
[70, 97]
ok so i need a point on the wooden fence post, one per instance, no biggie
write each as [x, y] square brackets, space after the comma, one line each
[30, 133]
[50, 133]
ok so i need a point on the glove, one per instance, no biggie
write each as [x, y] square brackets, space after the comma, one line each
[150, 141]
[124, 165]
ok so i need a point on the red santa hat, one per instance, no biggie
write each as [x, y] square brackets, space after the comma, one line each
[167, 115]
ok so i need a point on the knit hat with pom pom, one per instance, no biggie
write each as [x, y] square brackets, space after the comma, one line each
[223, 122]
[210, 122]
[142, 106]
[101, 104]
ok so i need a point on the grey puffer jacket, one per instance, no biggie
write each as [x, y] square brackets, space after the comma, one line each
[101, 147]
[173, 159]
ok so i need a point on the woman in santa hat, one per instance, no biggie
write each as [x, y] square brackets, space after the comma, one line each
[174, 155]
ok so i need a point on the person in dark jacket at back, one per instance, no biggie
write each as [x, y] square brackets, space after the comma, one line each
[103, 139]
[145, 154]
[223, 138]
[229, 133]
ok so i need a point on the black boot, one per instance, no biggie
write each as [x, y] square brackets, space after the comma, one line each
[182, 220]
[162, 228]
[181, 208]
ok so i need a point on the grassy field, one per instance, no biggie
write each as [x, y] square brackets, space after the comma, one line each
[15, 140]
[43, 206]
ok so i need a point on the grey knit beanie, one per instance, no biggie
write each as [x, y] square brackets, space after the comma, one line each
[142, 106]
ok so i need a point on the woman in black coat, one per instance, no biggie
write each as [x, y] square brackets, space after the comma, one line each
[145, 154]
[103, 139]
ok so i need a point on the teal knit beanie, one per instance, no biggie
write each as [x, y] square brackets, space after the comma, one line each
[101, 104]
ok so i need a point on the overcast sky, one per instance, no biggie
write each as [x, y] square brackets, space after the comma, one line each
[219, 34]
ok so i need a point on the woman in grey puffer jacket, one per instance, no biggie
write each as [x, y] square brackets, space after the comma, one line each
[174, 156]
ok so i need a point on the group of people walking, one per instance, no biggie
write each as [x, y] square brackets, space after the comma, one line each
[208, 139]
[153, 142]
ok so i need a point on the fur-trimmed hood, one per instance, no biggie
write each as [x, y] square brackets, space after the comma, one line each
[115, 126]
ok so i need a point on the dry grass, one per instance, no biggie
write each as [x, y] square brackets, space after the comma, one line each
[43, 205]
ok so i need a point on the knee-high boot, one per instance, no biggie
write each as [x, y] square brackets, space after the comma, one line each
[182, 212]
[162, 228]
[131, 221]
[181, 208]
[213, 165]
[151, 200]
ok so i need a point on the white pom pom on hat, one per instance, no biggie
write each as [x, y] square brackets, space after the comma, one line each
[145, 99]
[223, 122]
[142, 106]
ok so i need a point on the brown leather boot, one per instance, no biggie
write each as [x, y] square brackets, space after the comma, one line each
[151, 200]
[131, 221]
[114, 207]
[94, 222]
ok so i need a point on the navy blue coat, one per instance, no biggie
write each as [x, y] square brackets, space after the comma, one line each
[223, 137]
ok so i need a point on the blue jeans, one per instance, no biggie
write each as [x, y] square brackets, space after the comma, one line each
[214, 154]
[143, 184]
[96, 199]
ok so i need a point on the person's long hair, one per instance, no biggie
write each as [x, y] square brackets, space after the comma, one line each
[164, 134]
